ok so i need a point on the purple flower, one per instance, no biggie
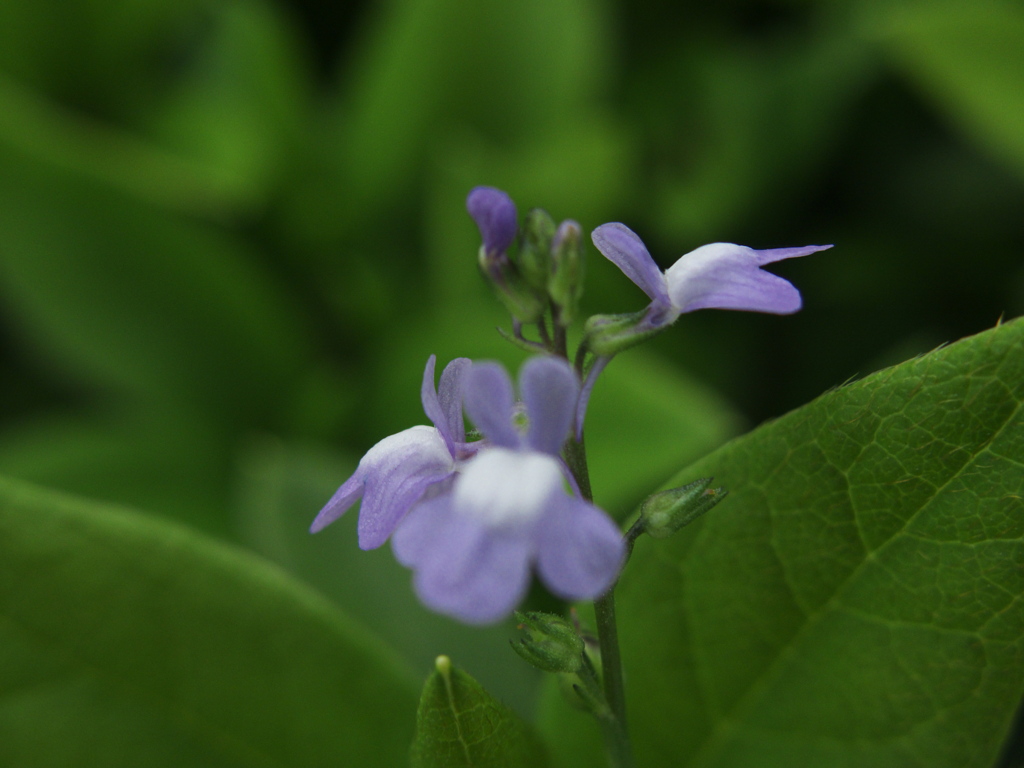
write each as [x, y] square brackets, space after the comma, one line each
[715, 276]
[495, 217]
[473, 548]
[402, 469]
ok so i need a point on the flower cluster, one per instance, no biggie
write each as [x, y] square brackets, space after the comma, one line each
[474, 519]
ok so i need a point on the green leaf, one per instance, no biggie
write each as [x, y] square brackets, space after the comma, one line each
[116, 292]
[858, 600]
[125, 641]
[460, 725]
[968, 57]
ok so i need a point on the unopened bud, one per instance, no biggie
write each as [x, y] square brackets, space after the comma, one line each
[534, 257]
[665, 513]
[551, 643]
[565, 285]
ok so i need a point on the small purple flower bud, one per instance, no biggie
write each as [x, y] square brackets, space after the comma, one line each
[495, 217]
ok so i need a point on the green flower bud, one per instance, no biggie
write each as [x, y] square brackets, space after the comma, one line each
[551, 643]
[665, 513]
[534, 258]
[565, 285]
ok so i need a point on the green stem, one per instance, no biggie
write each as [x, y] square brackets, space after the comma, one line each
[613, 725]
[619, 748]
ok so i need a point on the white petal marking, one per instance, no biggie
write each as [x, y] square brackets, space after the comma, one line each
[504, 487]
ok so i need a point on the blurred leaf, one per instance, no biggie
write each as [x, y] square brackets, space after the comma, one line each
[856, 600]
[281, 486]
[38, 127]
[460, 725]
[510, 72]
[968, 57]
[119, 294]
[107, 54]
[192, 105]
[238, 107]
[127, 642]
[748, 127]
[174, 466]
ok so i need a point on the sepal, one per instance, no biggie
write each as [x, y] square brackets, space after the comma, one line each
[665, 513]
[607, 335]
[550, 643]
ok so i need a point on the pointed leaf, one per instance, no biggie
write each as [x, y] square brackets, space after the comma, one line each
[460, 725]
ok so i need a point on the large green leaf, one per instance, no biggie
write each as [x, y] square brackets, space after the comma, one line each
[125, 642]
[460, 725]
[968, 57]
[857, 601]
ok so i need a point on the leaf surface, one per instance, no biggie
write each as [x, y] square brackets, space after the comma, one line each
[857, 601]
[460, 725]
[125, 641]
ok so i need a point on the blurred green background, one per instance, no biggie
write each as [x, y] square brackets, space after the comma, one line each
[232, 231]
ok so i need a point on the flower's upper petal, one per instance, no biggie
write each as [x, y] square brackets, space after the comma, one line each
[449, 392]
[626, 250]
[339, 503]
[580, 549]
[770, 255]
[727, 276]
[432, 404]
[488, 399]
[550, 390]
[443, 406]
[396, 472]
[463, 568]
[495, 217]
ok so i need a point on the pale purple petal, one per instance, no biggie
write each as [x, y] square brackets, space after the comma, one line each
[463, 568]
[449, 392]
[626, 250]
[771, 255]
[495, 217]
[443, 406]
[339, 503]
[549, 388]
[432, 405]
[727, 276]
[488, 399]
[588, 387]
[581, 550]
[396, 473]
[422, 531]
